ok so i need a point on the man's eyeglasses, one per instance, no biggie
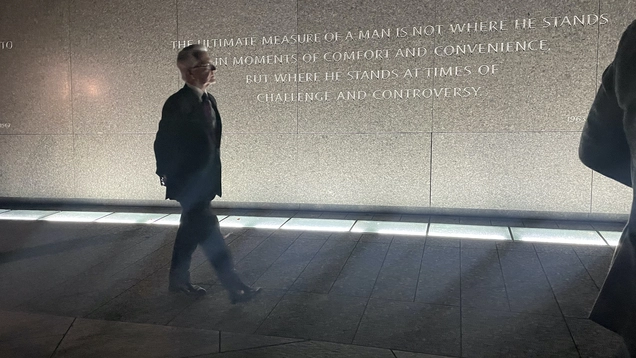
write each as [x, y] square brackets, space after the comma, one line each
[207, 66]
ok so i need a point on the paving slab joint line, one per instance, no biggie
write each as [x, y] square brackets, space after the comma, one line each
[370, 295]
[124, 291]
[270, 312]
[64, 336]
[559, 304]
[343, 266]
[589, 274]
[245, 349]
[299, 340]
[503, 279]
[307, 265]
[276, 259]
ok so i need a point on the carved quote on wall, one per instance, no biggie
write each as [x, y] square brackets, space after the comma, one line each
[345, 54]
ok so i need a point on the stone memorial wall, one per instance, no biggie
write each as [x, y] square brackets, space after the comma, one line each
[416, 105]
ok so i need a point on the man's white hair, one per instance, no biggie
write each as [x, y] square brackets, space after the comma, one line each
[189, 57]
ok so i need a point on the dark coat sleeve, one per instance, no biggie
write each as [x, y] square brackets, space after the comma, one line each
[603, 145]
[167, 144]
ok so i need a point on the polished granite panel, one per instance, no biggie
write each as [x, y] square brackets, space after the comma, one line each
[260, 168]
[411, 326]
[116, 167]
[527, 286]
[242, 82]
[237, 341]
[148, 301]
[439, 279]
[398, 278]
[377, 238]
[533, 90]
[509, 171]
[92, 338]
[488, 333]
[593, 340]
[609, 196]
[123, 67]
[119, 272]
[315, 349]
[360, 273]
[573, 287]
[254, 264]
[35, 62]
[36, 166]
[368, 169]
[41, 347]
[598, 266]
[285, 270]
[17, 325]
[400, 354]
[216, 312]
[369, 58]
[482, 284]
[313, 316]
[323, 270]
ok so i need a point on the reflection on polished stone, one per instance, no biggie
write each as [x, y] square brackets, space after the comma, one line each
[392, 228]
[318, 225]
[253, 222]
[455, 231]
[581, 237]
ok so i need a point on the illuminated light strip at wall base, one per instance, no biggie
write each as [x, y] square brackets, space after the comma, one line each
[435, 230]
[577, 237]
[390, 228]
[328, 225]
[76, 216]
[477, 232]
[253, 222]
[611, 237]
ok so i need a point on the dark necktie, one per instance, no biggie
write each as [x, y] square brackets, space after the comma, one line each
[207, 110]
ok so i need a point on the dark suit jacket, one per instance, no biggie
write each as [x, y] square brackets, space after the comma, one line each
[615, 306]
[187, 149]
[603, 145]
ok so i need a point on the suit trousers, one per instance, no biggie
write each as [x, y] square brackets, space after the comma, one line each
[200, 226]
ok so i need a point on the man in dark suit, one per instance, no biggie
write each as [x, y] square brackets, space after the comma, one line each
[608, 145]
[187, 150]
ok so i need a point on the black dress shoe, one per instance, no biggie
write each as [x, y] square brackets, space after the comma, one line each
[187, 288]
[244, 295]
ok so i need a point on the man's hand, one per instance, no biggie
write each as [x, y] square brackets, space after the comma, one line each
[162, 180]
